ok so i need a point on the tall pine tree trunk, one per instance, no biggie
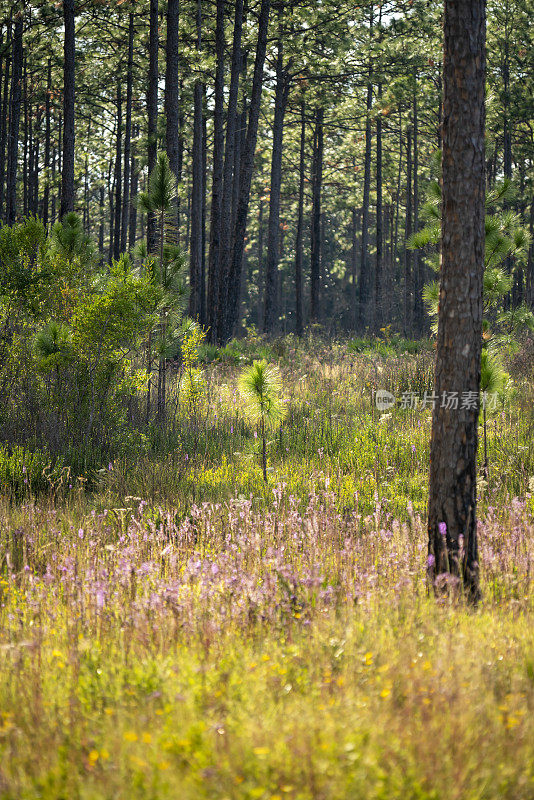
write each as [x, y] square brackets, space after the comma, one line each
[408, 277]
[365, 312]
[226, 220]
[379, 226]
[67, 167]
[152, 111]
[453, 454]
[195, 261]
[4, 119]
[46, 191]
[417, 256]
[118, 177]
[271, 276]
[217, 177]
[14, 121]
[299, 249]
[247, 169]
[172, 92]
[134, 187]
[127, 137]
[315, 233]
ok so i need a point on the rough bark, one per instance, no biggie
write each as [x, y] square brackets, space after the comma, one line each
[453, 473]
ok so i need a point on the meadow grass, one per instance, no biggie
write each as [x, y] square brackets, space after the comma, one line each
[189, 631]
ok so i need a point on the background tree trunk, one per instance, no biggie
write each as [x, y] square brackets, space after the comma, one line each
[4, 119]
[299, 315]
[247, 169]
[315, 243]
[127, 136]
[365, 294]
[14, 122]
[226, 222]
[271, 276]
[195, 261]
[217, 177]
[172, 92]
[152, 110]
[46, 191]
[118, 177]
[407, 233]
[67, 168]
[379, 232]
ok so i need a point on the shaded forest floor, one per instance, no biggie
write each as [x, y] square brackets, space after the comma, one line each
[189, 631]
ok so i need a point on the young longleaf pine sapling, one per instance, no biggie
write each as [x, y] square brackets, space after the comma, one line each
[260, 387]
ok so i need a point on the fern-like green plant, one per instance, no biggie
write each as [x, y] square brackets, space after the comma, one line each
[260, 386]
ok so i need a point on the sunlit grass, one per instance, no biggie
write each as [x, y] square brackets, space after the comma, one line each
[190, 632]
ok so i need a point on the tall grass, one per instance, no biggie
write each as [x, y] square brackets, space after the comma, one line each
[189, 631]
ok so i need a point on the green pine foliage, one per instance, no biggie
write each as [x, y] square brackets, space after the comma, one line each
[505, 238]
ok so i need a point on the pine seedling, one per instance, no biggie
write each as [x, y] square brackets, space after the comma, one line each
[260, 387]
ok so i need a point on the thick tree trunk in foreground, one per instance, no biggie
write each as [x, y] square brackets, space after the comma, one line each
[452, 491]
[67, 174]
